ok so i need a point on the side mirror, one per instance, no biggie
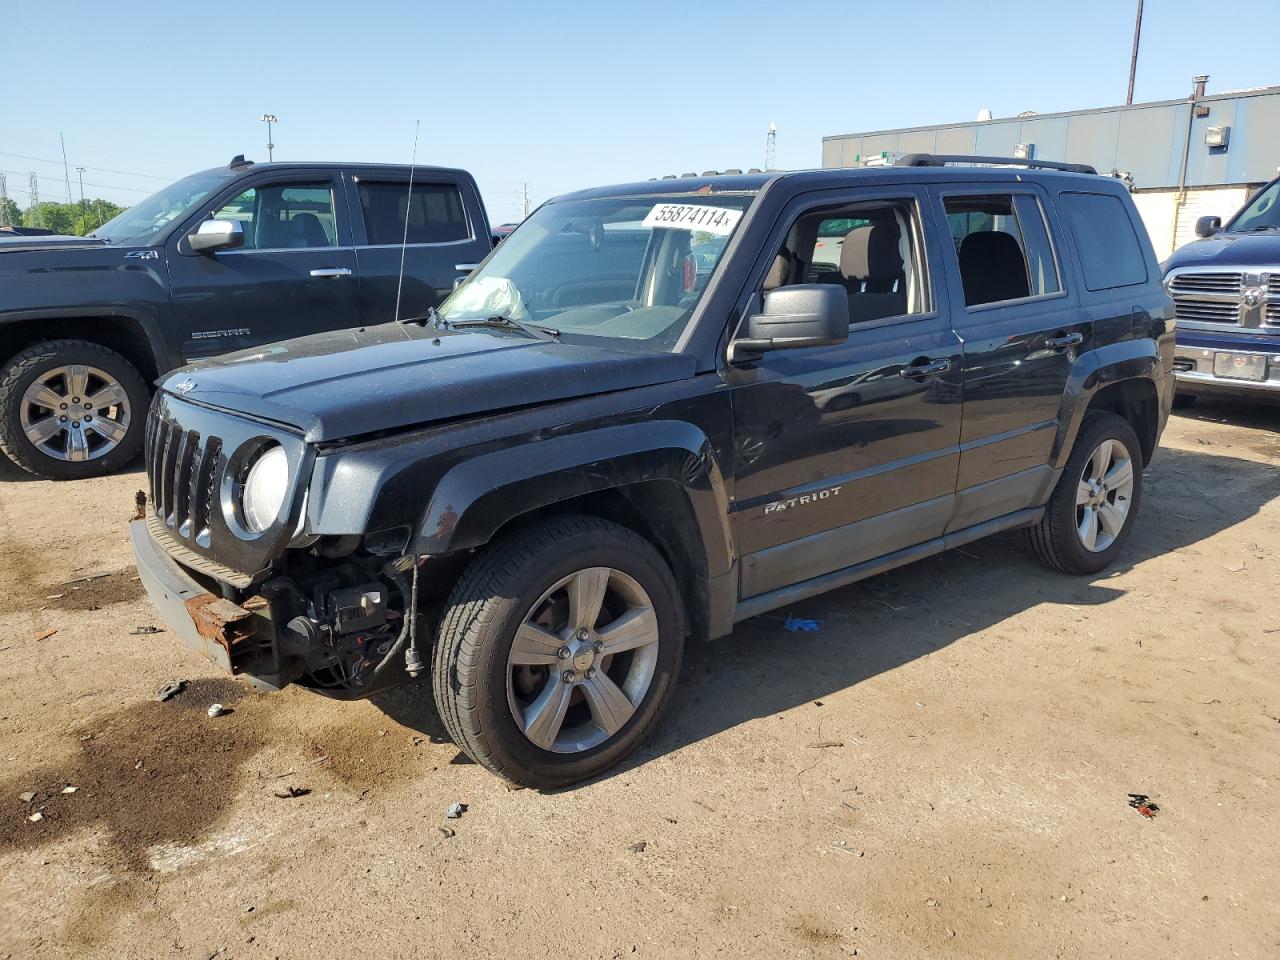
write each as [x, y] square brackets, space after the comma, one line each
[214, 235]
[1208, 226]
[803, 315]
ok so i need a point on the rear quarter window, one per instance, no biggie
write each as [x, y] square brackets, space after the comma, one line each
[1111, 254]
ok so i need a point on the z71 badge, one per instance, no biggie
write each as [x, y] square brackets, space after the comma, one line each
[803, 500]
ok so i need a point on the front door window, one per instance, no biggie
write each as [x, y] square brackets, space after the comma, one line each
[284, 216]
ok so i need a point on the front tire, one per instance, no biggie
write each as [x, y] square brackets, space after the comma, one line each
[71, 409]
[1092, 509]
[558, 651]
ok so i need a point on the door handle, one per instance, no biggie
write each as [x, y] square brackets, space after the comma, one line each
[922, 371]
[1066, 340]
[331, 272]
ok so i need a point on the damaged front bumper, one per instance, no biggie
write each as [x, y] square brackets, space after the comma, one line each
[238, 638]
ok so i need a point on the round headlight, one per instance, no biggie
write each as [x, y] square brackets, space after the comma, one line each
[265, 488]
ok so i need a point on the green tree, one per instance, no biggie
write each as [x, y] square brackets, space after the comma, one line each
[71, 219]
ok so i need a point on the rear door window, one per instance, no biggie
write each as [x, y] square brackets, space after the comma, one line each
[1002, 246]
[435, 213]
[1110, 252]
[283, 216]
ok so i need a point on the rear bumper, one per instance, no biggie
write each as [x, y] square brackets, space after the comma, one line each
[222, 632]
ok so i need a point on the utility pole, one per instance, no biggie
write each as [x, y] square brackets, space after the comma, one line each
[770, 146]
[37, 218]
[4, 202]
[525, 201]
[1133, 59]
[269, 119]
[66, 171]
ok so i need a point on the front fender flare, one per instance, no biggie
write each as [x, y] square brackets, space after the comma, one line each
[474, 499]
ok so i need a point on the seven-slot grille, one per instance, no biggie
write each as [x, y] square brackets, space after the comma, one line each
[1207, 297]
[182, 471]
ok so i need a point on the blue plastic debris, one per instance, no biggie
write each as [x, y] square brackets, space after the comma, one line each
[797, 624]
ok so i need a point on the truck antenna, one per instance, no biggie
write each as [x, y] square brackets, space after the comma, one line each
[404, 239]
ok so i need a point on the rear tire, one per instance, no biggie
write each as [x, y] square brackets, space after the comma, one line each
[1097, 496]
[511, 645]
[48, 429]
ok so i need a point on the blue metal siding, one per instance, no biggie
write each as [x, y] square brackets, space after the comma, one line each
[1256, 154]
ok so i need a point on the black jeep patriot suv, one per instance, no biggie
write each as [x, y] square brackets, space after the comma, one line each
[655, 410]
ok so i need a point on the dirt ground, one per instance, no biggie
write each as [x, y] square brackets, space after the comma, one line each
[941, 770]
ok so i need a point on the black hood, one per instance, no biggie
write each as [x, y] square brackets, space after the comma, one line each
[348, 383]
[1228, 250]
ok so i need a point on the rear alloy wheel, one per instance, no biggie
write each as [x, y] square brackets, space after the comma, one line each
[1091, 511]
[71, 409]
[558, 650]
[1104, 495]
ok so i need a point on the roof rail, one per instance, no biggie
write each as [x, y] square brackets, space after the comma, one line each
[942, 159]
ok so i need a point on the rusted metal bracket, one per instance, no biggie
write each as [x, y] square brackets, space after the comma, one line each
[219, 620]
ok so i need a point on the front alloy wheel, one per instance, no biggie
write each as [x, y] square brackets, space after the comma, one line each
[558, 650]
[582, 660]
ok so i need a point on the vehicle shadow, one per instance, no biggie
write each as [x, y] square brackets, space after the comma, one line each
[879, 624]
[1241, 413]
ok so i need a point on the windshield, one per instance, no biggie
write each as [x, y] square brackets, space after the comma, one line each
[625, 270]
[143, 222]
[1262, 214]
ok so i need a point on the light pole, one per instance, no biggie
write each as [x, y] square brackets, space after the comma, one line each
[80, 174]
[269, 119]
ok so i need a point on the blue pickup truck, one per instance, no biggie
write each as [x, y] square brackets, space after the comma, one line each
[1226, 286]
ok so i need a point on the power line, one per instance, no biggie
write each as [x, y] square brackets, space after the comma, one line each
[102, 186]
[125, 173]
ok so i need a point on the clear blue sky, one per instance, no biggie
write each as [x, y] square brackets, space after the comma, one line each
[566, 95]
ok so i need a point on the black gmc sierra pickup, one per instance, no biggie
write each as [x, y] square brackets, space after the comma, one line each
[234, 257]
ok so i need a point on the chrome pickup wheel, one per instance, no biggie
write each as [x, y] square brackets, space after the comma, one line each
[71, 409]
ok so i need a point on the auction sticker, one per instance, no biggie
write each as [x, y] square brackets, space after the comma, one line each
[693, 216]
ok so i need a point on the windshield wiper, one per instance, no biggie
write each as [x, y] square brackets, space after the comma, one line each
[1262, 226]
[431, 317]
[507, 323]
